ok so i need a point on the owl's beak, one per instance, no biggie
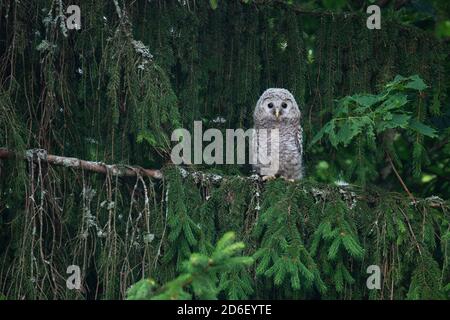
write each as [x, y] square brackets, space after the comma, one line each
[277, 113]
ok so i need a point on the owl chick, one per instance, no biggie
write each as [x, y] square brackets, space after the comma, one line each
[277, 109]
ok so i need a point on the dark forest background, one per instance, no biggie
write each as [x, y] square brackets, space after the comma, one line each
[113, 91]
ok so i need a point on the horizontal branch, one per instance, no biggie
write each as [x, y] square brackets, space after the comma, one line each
[36, 155]
[99, 167]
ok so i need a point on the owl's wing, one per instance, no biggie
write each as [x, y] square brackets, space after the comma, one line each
[299, 142]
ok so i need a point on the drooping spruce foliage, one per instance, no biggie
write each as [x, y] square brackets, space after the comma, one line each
[114, 91]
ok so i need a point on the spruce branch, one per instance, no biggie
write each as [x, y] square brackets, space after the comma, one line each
[200, 274]
[122, 170]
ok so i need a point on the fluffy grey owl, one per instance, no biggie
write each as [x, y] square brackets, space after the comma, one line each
[279, 152]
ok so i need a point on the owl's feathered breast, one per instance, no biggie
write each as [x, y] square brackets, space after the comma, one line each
[288, 142]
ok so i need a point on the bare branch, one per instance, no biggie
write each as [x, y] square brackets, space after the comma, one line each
[99, 167]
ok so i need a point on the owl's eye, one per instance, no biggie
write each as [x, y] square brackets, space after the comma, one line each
[270, 105]
[284, 105]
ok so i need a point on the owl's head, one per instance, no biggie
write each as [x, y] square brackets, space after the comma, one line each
[277, 105]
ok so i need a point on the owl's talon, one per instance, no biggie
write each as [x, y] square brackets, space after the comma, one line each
[288, 180]
[268, 178]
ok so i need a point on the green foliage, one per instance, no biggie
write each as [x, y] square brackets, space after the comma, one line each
[366, 117]
[183, 231]
[113, 92]
[425, 282]
[371, 115]
[139, 90]
[213, 4]
[334, 241]
[200, 275]
[11, 134]
[283, 255]
[12, 137]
